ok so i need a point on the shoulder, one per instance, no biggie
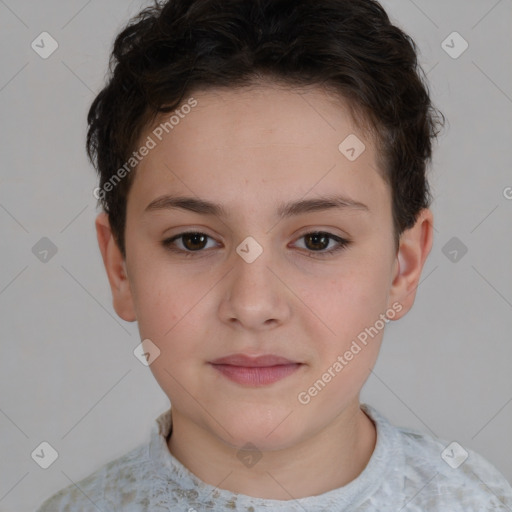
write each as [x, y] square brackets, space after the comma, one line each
[112, 484]
[441, 473]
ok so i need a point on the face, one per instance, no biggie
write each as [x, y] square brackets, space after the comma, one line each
[293, 258]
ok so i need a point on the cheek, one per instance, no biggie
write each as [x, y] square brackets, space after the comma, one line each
[173, 308]
[161, 296]
[350, 308]
[352, 299]
[167, 314]
[164, 312]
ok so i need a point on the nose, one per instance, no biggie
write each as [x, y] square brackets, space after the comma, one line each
[253, 296]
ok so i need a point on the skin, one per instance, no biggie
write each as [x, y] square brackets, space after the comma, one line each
[250, 150]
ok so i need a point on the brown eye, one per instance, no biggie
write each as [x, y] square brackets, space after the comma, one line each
[318, 243]
[187, 243]
[194, 241]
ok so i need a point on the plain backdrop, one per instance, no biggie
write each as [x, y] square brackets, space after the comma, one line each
[68, 375]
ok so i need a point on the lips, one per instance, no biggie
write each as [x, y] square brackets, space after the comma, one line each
[255, 371]
[253, 362]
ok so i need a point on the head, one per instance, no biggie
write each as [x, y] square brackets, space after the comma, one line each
[296, 128]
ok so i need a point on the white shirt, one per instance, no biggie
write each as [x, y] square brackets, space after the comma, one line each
[406, 473]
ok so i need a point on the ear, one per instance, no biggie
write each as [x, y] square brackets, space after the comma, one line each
[115, 266]
[414, 247]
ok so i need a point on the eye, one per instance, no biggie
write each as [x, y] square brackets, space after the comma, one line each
[318, 241]
[190, 241]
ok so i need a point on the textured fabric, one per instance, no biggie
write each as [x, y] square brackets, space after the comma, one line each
[406, 472]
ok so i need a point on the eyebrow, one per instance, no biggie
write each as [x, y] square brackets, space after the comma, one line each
[284, 210]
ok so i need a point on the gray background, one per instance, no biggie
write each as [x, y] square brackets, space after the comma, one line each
[67, 372]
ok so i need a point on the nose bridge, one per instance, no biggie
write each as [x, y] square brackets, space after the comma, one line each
[251, 279]
[254, 295]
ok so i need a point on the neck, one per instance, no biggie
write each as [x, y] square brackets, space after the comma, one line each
[327, 460]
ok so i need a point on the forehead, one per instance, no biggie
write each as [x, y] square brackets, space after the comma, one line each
[267, 113]
[264, 140]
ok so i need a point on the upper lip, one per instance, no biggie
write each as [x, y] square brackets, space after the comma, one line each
[252, 361]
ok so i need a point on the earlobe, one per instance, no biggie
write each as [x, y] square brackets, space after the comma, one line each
[415, 245]
[115, 267]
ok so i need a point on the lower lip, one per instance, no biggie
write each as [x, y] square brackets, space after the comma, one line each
[257, 376]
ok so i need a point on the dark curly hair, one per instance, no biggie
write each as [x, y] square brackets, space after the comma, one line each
[171, 49]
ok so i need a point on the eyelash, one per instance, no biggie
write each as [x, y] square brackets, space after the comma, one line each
[342, 243]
